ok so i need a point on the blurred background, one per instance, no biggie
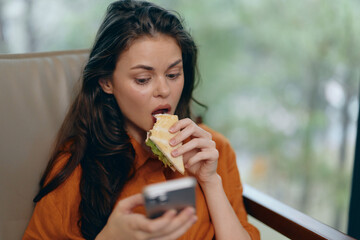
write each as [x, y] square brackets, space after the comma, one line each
[280, 78]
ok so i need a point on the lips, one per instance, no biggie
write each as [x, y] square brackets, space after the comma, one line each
[161, 109]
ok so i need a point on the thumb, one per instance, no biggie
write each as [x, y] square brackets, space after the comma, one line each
[127, 204]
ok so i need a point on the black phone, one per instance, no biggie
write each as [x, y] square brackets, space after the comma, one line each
[173, 194]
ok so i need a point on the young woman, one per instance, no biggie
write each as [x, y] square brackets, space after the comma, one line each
[143, 62]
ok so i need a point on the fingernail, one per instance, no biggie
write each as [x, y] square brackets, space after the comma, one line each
[172, 141]
[171, 129]
[190, 211]
[175, 153]
[172, 212]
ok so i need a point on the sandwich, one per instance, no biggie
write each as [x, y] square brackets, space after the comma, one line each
[158, 140]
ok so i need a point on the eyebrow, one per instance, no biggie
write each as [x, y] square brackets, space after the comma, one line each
[151, 68]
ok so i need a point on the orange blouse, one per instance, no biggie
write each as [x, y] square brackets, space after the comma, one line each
[56, 215]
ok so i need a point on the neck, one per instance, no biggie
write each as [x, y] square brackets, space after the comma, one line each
[138, 134]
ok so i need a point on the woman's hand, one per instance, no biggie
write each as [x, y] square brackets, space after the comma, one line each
[200, 154]
[124, 224]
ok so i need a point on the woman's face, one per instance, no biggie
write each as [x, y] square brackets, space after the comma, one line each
[148, 79]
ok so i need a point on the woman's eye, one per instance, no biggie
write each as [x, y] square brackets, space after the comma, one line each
[172, 75]
[142, 81]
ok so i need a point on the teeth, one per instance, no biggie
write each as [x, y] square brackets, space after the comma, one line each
[161, 111]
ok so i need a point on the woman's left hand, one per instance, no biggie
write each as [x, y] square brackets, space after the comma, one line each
[200, 154]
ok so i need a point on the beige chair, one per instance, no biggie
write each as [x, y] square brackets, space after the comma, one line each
[35, 91]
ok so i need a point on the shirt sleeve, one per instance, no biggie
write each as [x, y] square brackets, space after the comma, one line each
[228, 170]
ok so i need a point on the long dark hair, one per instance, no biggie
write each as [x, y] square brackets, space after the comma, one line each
[93, 130]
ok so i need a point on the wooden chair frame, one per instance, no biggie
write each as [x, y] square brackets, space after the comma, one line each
[286, 220]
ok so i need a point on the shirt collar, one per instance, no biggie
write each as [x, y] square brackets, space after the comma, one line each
[141, 154]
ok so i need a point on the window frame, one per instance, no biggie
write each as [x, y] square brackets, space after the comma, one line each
[354, 209]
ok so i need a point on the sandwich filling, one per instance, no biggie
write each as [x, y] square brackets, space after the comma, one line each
[159, 154]
[158, 140]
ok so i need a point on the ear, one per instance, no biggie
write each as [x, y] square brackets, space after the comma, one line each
[106, 85]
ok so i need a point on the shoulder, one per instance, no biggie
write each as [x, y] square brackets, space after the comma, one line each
[60, 162]
[67, 194]
[73, 181]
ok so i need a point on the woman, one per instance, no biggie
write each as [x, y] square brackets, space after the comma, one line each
[143, 62]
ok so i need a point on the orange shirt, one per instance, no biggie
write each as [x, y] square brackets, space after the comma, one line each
[56, 215]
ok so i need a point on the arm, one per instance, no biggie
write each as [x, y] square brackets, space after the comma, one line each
[201, 159]
[231, 183]
[225, 221]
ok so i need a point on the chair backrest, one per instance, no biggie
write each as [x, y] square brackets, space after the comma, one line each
[35, 93]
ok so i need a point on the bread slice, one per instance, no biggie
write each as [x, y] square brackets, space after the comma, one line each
[159, 136]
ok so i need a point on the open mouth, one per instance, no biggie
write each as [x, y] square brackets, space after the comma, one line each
[160, 110]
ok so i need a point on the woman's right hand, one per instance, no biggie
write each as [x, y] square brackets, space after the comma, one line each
[124, 224]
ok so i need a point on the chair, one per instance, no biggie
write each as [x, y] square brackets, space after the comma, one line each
[286, 220]
[36, 90]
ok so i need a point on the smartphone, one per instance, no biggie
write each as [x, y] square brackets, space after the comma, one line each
[173, 194]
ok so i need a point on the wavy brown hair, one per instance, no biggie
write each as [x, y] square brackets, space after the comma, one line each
[93, 130]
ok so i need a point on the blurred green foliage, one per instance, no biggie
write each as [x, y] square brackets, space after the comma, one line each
[270, 71]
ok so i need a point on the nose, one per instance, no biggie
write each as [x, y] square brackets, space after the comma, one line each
[162, 88]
